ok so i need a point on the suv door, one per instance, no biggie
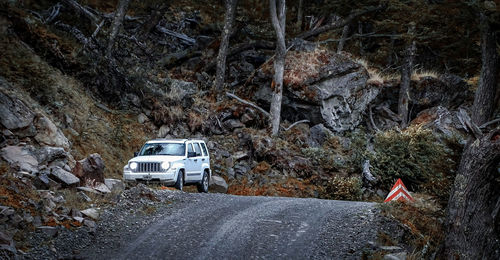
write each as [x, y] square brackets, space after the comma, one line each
[198, 162]
[191, 163]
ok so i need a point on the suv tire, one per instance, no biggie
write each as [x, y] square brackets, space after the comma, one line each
[179, 184]
[203, 185]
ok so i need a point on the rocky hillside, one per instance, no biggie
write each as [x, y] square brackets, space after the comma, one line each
[71, 116]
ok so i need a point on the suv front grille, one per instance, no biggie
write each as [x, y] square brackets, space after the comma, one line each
[149, 167]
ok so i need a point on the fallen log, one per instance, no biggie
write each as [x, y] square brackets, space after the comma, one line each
[180, 36]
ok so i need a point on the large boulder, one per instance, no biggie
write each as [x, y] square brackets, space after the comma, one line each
[14, 114]
[323, 87]
[90, 169]
[217, 184]
[64, 177]
[21, 156]
[318, 135]
[49, 134]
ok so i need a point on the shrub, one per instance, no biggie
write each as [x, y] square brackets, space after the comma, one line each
[415, 156]
[343, 188]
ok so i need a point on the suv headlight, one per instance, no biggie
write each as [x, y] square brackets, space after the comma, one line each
[133, 165]
[165, 165]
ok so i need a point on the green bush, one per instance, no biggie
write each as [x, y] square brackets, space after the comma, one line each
[415, 156]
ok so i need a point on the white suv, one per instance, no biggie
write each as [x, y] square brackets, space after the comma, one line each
[171, 162]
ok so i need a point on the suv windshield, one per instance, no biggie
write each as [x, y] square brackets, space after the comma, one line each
[177, 149]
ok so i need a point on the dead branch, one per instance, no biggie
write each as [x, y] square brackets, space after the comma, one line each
[81, 10]
[467, 121]
[338, 24]
[249, 104]
[297, 123]
[372, 121]
[490, 123]
[180, 36]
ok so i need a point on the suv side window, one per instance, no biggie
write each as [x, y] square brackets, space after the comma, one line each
[190, 148]
[197, 149]
[204, 148]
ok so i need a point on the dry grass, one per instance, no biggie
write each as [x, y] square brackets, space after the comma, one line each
[375, 76]
[300, 66]
[195, 121]
[290, 188]
[421, 219]
[420, 74]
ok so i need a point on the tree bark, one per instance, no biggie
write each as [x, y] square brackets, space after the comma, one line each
[343, 39]
[221, 57]
[473, 220]
[117, 23]
[406, 71]
[278, 19]
[484, 99]
[300, 15]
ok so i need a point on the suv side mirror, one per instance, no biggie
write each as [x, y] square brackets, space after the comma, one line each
[136, 153]
[191, 154]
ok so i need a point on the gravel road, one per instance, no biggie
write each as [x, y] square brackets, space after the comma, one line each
[219, 226]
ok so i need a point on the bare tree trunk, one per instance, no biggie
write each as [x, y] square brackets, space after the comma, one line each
[345, 34]
[484, 100]
[406, 71]
[120, 12]
[221, 57]
[473, 219]
[473, 209]
[300, 15]
[278, 20]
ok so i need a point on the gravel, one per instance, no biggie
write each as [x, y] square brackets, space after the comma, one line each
[152, 224]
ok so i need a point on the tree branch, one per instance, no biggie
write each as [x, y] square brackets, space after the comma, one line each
[249, 104]
[338, 24]
[296, 123]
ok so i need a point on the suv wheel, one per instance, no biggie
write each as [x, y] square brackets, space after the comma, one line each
[179, 184]
[203, 185]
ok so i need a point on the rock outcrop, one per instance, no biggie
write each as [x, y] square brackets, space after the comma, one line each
[332, 90]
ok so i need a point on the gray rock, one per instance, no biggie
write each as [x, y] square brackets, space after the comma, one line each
[115, 185]
[163, 131]
[240, 155]
[14, 114]
[84, 196]
[102, 188]
[5, 239]
[21, 156]
[47, 154]
[50, 231]
[91, 213]
[318, 135]
[90, 224]
[381, 193]
[218, 184]
[395, 256]
[142, 118]
[49, 134]
[79, 219]
[64, 177]
[232, 124]
[75, 213]
[391, 248]
[88, 189]
[179, 90]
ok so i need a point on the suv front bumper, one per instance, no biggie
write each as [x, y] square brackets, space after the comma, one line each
[161, 177]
